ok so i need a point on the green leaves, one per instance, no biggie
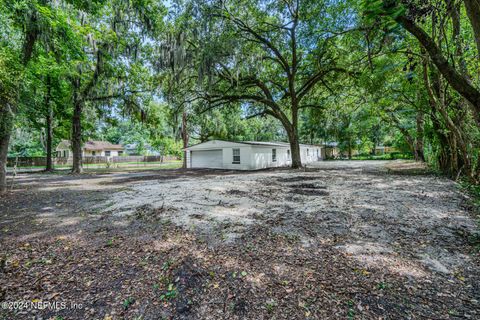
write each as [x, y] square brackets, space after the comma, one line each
[383, 13]
[128, 302]
[170, 293]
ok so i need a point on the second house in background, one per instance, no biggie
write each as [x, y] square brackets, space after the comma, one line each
[91, 149]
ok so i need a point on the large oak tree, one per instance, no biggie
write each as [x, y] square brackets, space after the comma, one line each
[269, 56]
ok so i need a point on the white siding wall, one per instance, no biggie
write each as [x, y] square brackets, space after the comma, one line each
[89, 153]
[262, 157]
[113, 153]
[100, 153]
[64, 153]
[311, 155]
[188, 156]
[227, 148]
[254, 157]
[245, 156]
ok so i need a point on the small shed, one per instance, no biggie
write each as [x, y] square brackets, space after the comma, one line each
[247, 155]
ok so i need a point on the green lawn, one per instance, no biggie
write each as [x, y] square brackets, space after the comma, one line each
[169, 165]
[121, 166]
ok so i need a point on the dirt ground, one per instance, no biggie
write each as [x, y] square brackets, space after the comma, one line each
[338, 240]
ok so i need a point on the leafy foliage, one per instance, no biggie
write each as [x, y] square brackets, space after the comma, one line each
[362, 74]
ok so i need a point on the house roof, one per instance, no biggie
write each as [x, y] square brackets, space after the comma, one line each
[92, 145]
[266, 143]
[101, 145]
[279, 144]
[64, 144]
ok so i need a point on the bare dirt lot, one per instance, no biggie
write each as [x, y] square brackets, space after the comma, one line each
[339, 240]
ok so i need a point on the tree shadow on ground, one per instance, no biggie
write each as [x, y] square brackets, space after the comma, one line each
[286, 265]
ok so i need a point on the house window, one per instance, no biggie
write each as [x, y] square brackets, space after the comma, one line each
[64, 153]
[307, 152]
[288, 154]
[93, 153]
[107, 153]
[120, 153]
[236, 156]
[274, 155]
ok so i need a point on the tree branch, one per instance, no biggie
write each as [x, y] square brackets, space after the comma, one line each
[453, 77]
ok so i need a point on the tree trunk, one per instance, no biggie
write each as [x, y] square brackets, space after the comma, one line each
[292, 132]
[454, 136]
[4, 140]
[473, 12]
[49, 128]
[294, 147]
[77, 137]
[184, 138]
[349, 149]
[419, 155]
[443, 159]
[458, 145]
[459, 53]
[6, 125]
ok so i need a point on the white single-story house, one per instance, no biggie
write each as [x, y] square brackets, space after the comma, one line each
[91, 149]
[246, 155]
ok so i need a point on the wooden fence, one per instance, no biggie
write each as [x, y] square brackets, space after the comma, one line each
[137, 159]
[87, 160]
[33, 161]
